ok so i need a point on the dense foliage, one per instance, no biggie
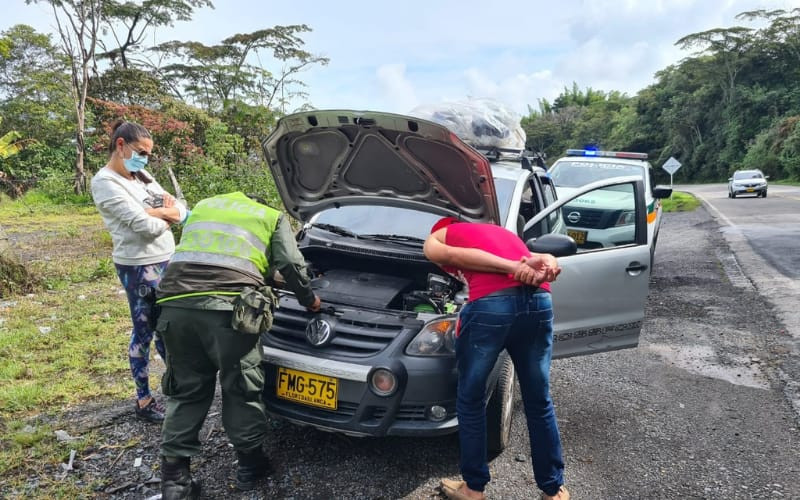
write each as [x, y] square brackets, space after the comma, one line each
[207, 107]
[733, 104]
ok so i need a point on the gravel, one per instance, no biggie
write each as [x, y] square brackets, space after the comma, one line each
[696, 411]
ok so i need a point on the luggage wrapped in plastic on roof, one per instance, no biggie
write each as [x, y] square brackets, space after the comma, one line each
[481, 123]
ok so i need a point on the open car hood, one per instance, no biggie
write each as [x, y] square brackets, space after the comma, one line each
[331, 158]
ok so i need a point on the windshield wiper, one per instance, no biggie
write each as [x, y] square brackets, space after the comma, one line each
[400, 238]
[331, 228]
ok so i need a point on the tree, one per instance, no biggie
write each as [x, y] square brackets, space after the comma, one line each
[129, 22]
[10, 143]
[730, 46]
[78, 23]
[132, 77]
[34, 86]
[129, 86]
[217, 76]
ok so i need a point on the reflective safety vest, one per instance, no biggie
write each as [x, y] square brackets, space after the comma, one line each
[228, 230]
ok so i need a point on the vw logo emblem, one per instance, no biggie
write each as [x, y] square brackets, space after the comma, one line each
[574, 217]
[318, 332]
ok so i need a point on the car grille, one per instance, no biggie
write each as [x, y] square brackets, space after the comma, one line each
[346, 410]
[350, 337]
[590, 218]
[405, 412]
[411, 413]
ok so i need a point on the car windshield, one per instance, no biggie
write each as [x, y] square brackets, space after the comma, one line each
[575, 173]
[376, 219]
[747, 174]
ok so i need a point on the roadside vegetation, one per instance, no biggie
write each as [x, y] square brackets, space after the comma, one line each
[680, 202]
[731, 105]
[63, 340]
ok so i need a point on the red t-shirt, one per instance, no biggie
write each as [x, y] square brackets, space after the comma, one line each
[495, 240]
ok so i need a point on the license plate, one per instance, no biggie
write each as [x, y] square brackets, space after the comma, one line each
[578, 236]
[307, 388]
[750, 190]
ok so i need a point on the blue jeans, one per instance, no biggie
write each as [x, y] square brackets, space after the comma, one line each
[523, 325]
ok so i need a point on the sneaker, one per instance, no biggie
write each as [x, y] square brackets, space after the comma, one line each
[152, 412]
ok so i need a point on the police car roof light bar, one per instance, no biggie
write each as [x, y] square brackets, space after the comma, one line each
[608, 154]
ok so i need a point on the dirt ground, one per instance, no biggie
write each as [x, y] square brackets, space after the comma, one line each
[126, 464]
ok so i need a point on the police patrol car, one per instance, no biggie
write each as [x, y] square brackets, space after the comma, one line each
[606, 218]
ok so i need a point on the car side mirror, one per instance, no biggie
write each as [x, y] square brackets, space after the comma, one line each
[558, 245]
[766, 177]
[730, 179]
[662, 192]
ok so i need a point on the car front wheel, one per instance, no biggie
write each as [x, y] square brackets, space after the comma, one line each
[499, 410]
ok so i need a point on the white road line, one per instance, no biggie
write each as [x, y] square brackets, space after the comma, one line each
[719, 214]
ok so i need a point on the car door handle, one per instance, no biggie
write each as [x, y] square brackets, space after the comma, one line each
[635, 268]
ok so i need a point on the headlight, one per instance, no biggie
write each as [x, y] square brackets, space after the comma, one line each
[626, 218]
[436, 338]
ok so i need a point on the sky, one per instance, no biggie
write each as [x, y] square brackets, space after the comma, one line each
[394, 56]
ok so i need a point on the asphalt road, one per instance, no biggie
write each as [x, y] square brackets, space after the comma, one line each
[705, 407]
[771, 225]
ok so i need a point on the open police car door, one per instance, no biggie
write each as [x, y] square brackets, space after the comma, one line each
[600, 295]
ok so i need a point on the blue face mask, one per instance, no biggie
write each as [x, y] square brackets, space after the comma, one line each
[136, 162]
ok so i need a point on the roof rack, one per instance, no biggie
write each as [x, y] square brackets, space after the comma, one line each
[493, 153]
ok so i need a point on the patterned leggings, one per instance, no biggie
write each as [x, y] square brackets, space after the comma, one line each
[137, 281]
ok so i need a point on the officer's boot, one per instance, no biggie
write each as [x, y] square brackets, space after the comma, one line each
[253, 465]
[176, 481]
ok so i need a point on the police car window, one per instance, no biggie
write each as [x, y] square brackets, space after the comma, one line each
[549, 198]
[576, 173]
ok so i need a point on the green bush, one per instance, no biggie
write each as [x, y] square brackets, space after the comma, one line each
[204, 178]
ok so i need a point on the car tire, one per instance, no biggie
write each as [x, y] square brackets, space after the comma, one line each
[500, 409]
[729, 195]
[733, 195]
[764, 194]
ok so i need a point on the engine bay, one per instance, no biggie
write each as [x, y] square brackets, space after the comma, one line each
[410, 285]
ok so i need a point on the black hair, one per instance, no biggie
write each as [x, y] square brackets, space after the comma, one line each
[129, 132]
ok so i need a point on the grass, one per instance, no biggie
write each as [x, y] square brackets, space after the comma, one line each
[61, 345]
[786, 182]
[680, 202]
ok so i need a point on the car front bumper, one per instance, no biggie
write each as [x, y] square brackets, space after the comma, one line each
[737, 190]
[422, 384]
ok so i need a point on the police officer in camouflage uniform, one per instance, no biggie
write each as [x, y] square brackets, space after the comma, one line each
[229, 242]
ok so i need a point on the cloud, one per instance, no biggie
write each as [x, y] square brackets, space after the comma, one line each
[517, 90]
[395, 88]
